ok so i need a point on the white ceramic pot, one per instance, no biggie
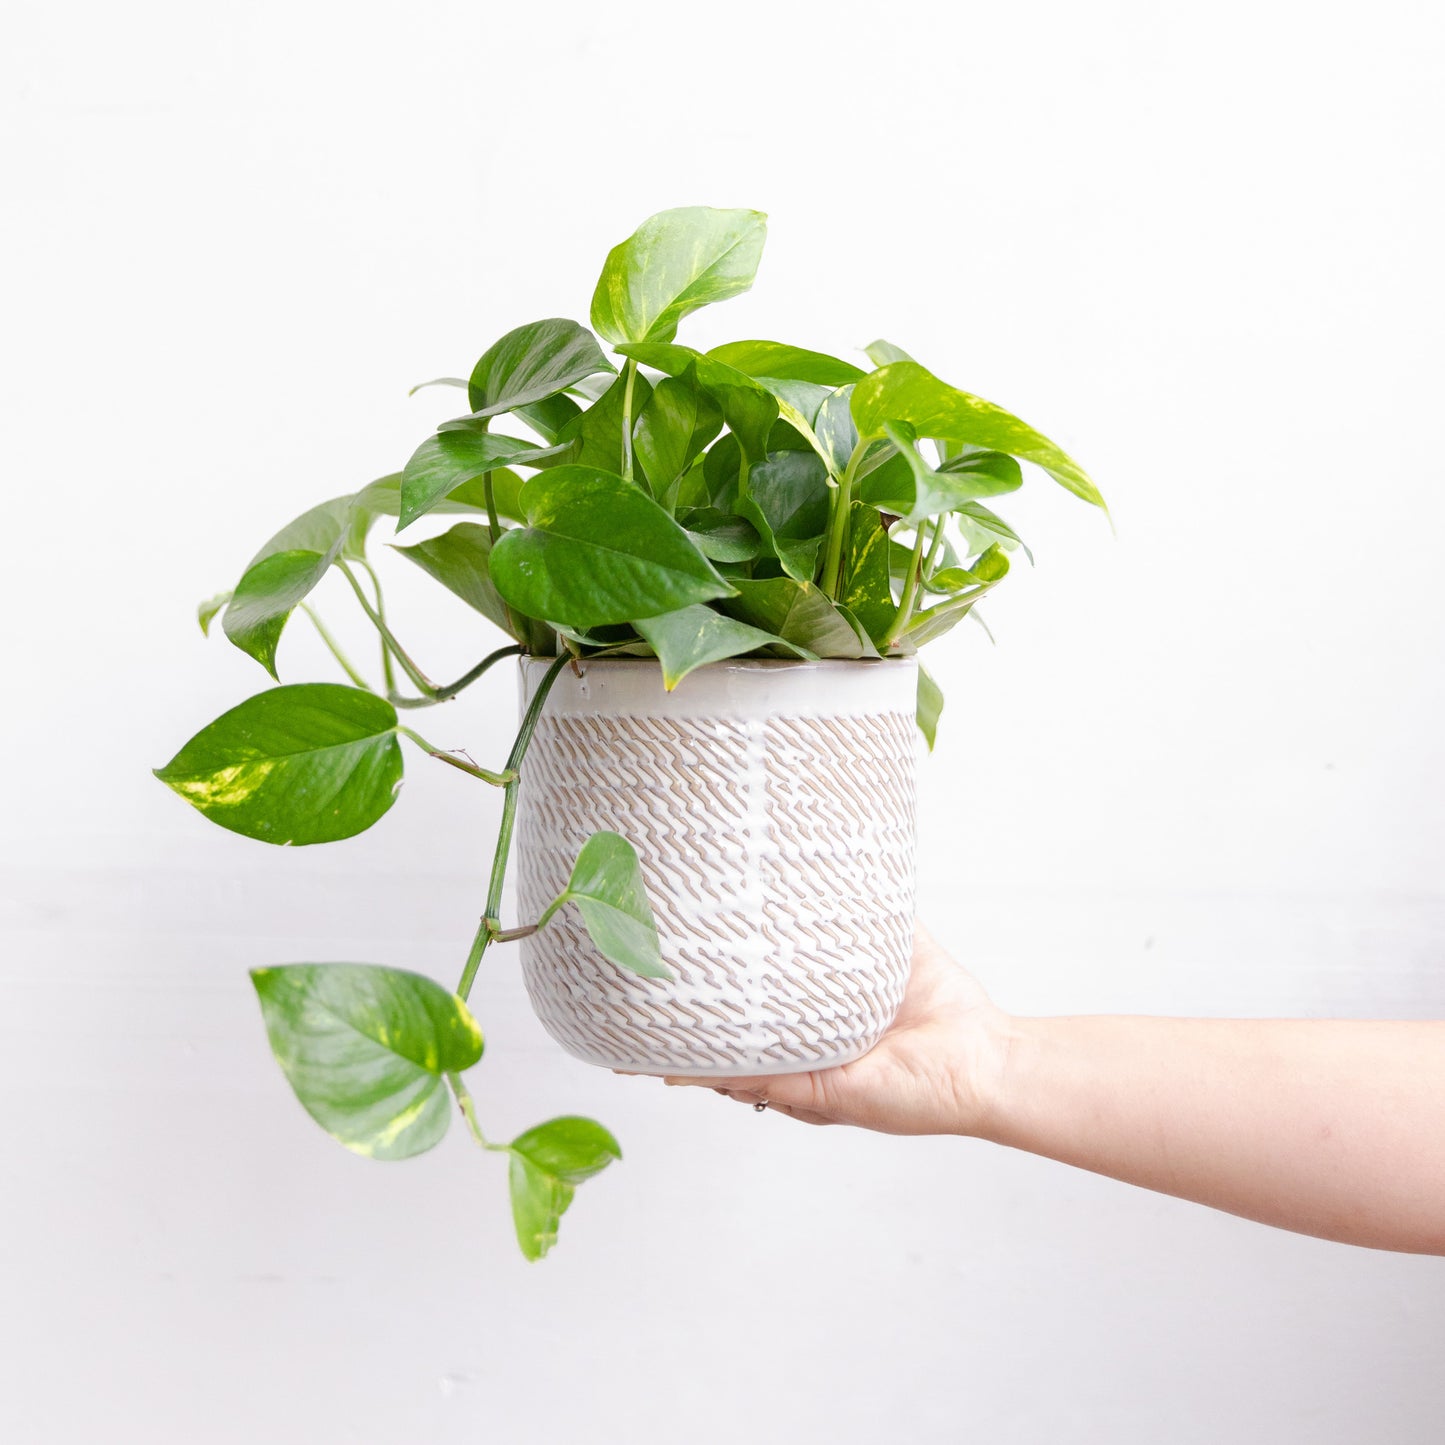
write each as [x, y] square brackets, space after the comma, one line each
[772, 806]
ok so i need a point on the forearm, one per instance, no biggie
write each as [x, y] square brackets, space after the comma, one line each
[1329, 1128]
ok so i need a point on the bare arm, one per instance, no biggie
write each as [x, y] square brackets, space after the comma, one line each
[1329, 1128]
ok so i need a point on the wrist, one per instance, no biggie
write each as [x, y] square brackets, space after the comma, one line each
[987, 1100]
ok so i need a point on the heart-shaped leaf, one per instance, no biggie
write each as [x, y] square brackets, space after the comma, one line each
[787, 501]
[884, 353]
[596, 434]
[721, 537]
[694, 636]
[367, 1049]
[309, 763]
[916, 491]
[748, 407]
[281, 574]
[532, 363]
[991, 473]
[442, 463]
[786, 363]
[672, 264]
[799, 613]
[903, 391]
[672, 430]
[548, 1163]
[207, 610]
[930, 706]
[606, 886]
[597, 550]
[460, 560]
[867, 590]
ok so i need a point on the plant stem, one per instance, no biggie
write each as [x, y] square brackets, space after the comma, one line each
[511, 935]
[469, 1113]
[418, 678]
[910, 591]
[490, 925]
[388, 677]
[335, 647]
[499, 780]
[494, 526]
[445, 694]
[936, 546]
[627, 419]
[832, 579]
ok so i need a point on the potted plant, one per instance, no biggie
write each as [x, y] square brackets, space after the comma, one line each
[716, 578]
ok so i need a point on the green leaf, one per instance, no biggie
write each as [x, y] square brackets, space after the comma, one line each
[694, 636]
[309, 763]
[672, 264]
[930, 706]
[606, 886]
[991, 473]
[266, 596]
[787, 501]
[786, 363]
[206, 611]
[548, 416]
[903, 391]
[539, 1200]
[990, 566]
[596, 550]
[884, 353]
[748, 407]
[981, 527]
[672, 430]
[281, 574]
[797, 612]
[916, 492]
[929, 626]
[833, 427]
[571, 1148]
[438, 381]
[721, 536]
[596, 434]
[532, 363]
[547, 1165]
[867, 590]
[460, 560]
[366, 1050]
[444, 462]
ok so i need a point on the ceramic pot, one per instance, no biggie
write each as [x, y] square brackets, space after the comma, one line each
[772, 807]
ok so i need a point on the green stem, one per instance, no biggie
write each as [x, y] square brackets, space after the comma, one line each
[445, 694]
[498, 780]
[490, 925]
[469, 1113]
[627, 419]
[832, 580]
[418, 678]
[335, 647]
[388, 677]
[910, 592]
[494, 525]
[936, 546]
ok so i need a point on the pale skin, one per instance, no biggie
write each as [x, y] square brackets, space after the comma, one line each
[1330, 1128]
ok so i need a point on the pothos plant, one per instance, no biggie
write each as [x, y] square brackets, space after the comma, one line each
[757, 499]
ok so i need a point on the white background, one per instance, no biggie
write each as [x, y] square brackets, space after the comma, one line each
[1200, 772]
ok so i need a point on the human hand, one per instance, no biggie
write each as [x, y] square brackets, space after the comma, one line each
[936, 1070]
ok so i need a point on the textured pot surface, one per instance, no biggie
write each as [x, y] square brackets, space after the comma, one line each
[772, 806]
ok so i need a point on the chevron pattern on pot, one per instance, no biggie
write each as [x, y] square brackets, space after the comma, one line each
[778, 858]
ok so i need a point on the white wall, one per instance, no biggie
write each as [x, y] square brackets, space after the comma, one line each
[1201, 771]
